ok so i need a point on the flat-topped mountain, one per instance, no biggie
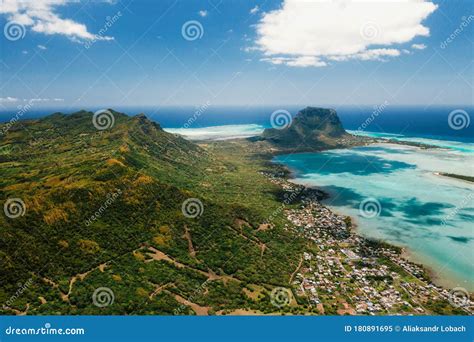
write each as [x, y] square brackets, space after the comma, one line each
[311, 128]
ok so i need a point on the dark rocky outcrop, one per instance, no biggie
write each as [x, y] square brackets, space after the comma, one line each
[312, 128]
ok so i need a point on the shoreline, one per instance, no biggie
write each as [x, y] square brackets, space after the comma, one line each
[433, 277]
[340, 252]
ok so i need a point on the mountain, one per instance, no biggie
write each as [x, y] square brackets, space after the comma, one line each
[108, 214]
[311, 129]
[134, 209]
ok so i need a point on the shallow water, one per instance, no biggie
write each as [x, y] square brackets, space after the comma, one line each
[394, 194]
[218, 132]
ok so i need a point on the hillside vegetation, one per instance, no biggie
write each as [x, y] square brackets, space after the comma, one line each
[104, 209]
[131, 219]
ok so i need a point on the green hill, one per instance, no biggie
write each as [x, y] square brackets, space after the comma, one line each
[101, 204]
[116, 216]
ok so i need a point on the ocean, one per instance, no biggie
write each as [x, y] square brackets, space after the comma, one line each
[393, 192]
[429, 122]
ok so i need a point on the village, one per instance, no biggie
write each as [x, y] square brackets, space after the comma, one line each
[356, 276]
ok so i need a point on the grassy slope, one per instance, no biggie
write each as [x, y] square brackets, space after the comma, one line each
[65, 170]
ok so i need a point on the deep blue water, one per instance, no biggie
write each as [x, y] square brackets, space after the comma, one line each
[428, 122]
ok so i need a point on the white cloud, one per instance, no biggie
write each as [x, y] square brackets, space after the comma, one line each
[368, 55]
[304, 61]
[203, 13]
[42, 47]
[8, 99]
[311, 33]
[254, 10]
[40, 99]
[41, 16]
[418, 46]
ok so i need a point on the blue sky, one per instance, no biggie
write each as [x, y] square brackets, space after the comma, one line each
[247, 53]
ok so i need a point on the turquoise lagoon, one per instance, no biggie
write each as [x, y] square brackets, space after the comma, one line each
[431, 215]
